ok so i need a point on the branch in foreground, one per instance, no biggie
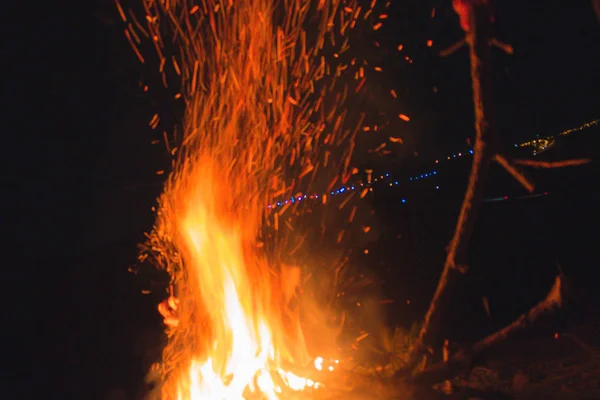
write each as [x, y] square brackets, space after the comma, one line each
[462, 361]
[508, 166]
[476, 20]
[452, 49]
[552, 164]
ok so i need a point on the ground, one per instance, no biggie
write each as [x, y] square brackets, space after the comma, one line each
[548, 366]
[564, 366]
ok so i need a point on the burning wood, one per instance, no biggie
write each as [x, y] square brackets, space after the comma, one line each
[249, 77]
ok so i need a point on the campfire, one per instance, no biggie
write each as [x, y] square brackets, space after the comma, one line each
[255, 120]
[230, 318]
[264, 112]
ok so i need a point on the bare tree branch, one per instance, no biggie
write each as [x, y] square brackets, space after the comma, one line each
[552, 164]
[452, 49]
[460, 362]
[507, 48]
[478, 37]
[508, 166]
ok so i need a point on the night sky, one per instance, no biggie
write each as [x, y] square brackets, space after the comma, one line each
[79, 179]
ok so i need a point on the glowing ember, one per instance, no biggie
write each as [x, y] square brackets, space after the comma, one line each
[255, 113]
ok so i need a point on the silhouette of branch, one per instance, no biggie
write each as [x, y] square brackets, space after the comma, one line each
[478, 30]
[462, 361]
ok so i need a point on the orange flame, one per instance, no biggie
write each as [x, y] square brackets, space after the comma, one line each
[254, 111]
[234, 315]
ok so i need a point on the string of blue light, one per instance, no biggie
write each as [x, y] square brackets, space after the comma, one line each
[360, 184]
[350, 188]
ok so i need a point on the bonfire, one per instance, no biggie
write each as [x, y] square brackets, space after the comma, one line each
[264, 114]
[261, 104]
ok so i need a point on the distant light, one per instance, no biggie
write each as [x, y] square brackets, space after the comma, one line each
[404, 200]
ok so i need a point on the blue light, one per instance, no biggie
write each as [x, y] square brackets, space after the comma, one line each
[411, 179]
[342, 190]
[404, 200]
[332, 193]
[352, 187]
[293, 200]
[395, 183]
[278, 203]
[435, 172]
[471, 151]
[437, 188]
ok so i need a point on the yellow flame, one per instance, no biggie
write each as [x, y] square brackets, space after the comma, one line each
[250, 92]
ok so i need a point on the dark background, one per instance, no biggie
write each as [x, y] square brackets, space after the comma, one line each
[78, 177]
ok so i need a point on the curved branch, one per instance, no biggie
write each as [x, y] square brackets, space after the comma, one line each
[478, 38]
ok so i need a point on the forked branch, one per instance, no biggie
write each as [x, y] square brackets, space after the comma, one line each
[476, 20]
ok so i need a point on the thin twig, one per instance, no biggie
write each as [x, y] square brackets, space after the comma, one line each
[507, 48]
[508, 166]
[552, 164]
[452, 49]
